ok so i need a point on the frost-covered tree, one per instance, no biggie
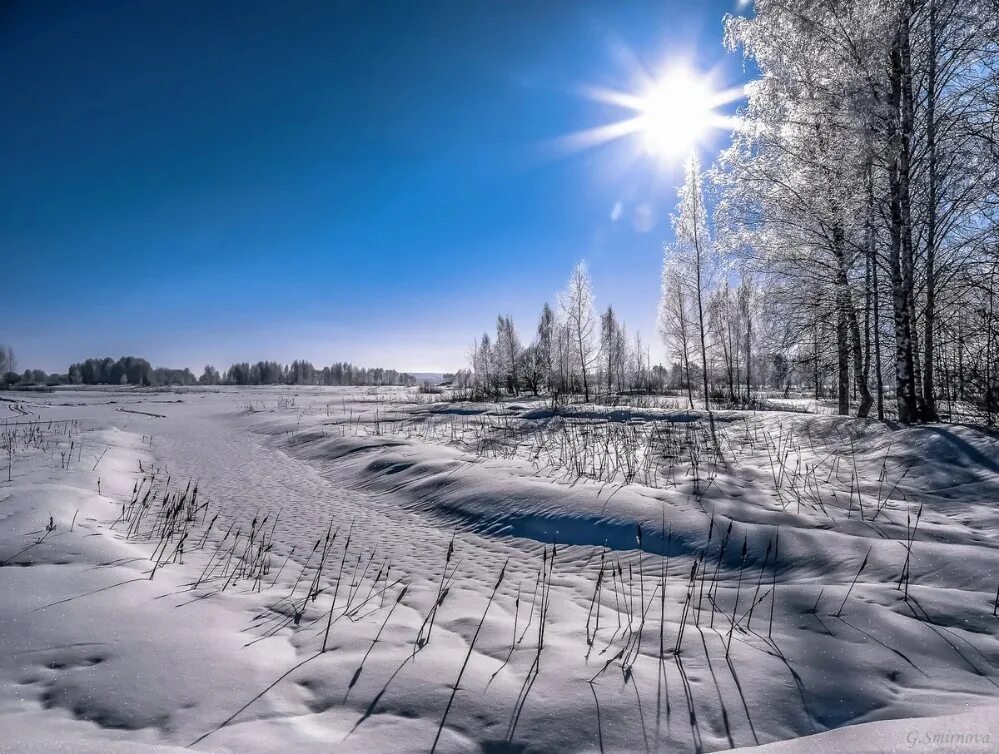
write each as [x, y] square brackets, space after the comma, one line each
[210, 376]
[578, 311]
[484, 366]
[546, 347]
[532, 369]
[693, 255]
[508, 353]
[746, 303]
[613, 349]
[863, 179]
[794, 176]
[725, 327]
[8, 365]
[676, 317]
[640, 364]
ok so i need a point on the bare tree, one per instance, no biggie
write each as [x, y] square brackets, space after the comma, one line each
[8, 364]
[675, 317]
[576, 303]
[508, 352]
[613, 348]
[546, 347]
[693, 247]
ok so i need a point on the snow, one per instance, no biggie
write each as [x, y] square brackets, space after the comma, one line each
[96, 655]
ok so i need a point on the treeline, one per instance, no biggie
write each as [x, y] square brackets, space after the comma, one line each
[132, 370]
[578, 350]
[573, 351]
[304, 373]
[128, 370]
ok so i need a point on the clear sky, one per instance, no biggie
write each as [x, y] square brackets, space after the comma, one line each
[369, 181]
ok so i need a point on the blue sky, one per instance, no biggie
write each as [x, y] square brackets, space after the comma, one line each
[369, 181]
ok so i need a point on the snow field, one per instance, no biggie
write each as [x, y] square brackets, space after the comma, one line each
[575, 652]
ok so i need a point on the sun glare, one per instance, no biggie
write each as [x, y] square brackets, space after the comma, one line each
[670, 116]
[675, 115]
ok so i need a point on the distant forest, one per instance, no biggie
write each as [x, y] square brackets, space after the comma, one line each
[131, 370]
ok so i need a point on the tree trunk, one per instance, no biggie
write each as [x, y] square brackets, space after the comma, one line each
[872, 261]
[989, 354]
[901, 281]
[686, 345]
[700, 306]
[879, 377]
[905, 174]
[866, 369]
[929, 400]
[960, 357]
[848, 324]
[690, 389]
[860, 375]
[731, 360]
[610, 361]
[815, 349]
[842, 359]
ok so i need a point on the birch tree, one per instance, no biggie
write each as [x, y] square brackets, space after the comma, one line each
[692, 249]
[508, 353]
[546, 347]
[675, 317]
[576, 303]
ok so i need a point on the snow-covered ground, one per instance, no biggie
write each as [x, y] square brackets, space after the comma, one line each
[544, 560]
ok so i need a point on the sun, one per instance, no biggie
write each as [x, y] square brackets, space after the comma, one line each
[670, 116]
[675, 115]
